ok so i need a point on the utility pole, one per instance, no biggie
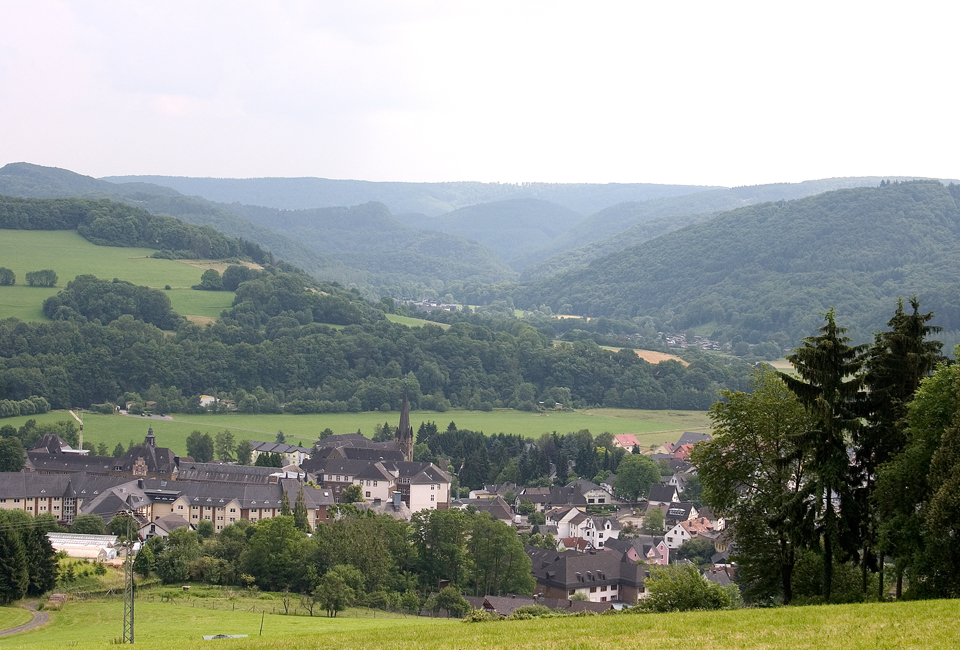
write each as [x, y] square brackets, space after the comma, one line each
[128, 581]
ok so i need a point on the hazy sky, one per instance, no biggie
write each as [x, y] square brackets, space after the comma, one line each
[723, 93]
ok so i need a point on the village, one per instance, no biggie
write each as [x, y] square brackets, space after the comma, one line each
[594, 551]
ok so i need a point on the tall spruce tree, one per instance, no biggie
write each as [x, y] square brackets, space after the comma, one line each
[830, 388]
[14, 567]
[285, 506]
[896, 363]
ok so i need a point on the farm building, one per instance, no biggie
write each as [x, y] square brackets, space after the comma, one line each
[86, 547]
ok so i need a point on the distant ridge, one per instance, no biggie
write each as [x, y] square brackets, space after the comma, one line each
[432, 199]
[767, 271]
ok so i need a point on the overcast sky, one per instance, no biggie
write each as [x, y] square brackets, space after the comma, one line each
[721, 93]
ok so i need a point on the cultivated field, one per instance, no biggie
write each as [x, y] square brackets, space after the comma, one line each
[894, 626]
[71, 255]
[651, 427]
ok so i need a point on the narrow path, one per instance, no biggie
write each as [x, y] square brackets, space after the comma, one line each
[39, 618]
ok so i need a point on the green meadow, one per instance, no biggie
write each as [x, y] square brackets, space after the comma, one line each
[12, 617]
[893, 626]
[71, 255]
[651, 427]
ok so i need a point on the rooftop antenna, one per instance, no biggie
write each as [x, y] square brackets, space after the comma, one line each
[77, 418]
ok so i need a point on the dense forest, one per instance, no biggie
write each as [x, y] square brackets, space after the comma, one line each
[765, 272]
[278, 339]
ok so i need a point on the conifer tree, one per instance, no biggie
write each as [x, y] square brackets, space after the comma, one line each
[285, 505]
[829, 388]
[300, 519]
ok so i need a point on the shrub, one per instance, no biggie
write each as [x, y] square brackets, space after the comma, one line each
[680, 588]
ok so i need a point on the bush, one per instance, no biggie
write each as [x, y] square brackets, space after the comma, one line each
[45, 278]
[680, 588]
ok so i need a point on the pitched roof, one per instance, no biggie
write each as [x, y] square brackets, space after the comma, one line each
[662, 493]
[575, 571]
[689, 438]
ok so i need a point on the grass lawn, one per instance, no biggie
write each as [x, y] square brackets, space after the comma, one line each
[652, 427]
[71, 255]
[414, 322]
[893, 626]
[12, 617]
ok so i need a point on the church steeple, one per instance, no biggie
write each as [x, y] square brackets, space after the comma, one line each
[405, 431]
[150, 440]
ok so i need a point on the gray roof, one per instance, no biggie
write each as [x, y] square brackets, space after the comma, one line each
[576, 571]
[662, 493]
[690, 438]
[278, 448]
[191, 471]
[29, 485]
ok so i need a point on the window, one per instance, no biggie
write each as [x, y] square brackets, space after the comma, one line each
[219, 518]
[196, 516]
[368, 485]
[603, 588]
[232, 519]
[179, 507]
[16, 500]
[593, 590]
[432, 487]
[233, 509]
[600, 535]
[603, 599]
[374, 484]
[367, 493]
[431, 497]
[56, 507]
[3, 500]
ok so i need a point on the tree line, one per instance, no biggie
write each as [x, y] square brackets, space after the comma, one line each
[842, 467]
[276, 343]
[356, 557]
[109, 223]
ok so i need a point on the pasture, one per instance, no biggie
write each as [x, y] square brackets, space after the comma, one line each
[651, 427]
[893, 626]
[71, 255]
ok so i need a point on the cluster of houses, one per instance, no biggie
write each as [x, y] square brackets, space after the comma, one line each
[600, 558]
[680, 341]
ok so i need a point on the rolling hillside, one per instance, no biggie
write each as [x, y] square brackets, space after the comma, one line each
[509, 228]
[766, 272]
[70, 255]
[369, 238]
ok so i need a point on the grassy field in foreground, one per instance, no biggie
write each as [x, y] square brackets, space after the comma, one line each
[844, 627]
[71, 255]
[652, 427]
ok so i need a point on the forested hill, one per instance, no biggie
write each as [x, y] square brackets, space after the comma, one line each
[403, 261]
[432, 199]
[510, 228]
[608, 223]
[36, 181]
[369, 238]
[767, 271]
